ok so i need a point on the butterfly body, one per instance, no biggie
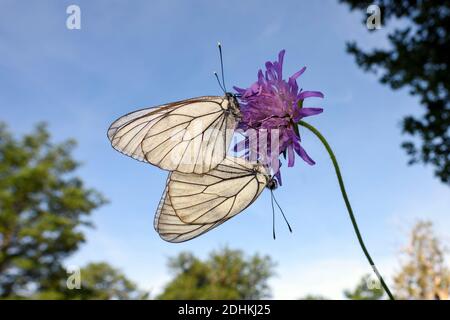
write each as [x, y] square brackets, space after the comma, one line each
[233, 108]
[272, 184]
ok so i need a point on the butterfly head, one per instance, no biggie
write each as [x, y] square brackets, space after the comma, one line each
[261, 169]
[233, 104]
[272, 184]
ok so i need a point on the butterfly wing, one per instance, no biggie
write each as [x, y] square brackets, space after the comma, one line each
[219, 194]
[190, 136]
[172, 228]
[169, 226]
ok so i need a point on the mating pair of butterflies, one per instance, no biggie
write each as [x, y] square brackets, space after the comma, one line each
[190, 138]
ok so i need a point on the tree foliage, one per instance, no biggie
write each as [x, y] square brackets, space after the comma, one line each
[225, 274]
[101, 281]
[424, 273]
[418, 59]
[42, 207]
[98, 281]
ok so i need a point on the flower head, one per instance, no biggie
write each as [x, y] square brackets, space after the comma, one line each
[274, 106]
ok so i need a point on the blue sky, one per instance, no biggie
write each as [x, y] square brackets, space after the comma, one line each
[133, 54]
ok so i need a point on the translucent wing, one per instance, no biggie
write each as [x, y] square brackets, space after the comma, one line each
[219, 194]
[190, 136]
[171, 228]
[169, 225]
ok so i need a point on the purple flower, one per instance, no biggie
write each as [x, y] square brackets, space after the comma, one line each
[272, 107]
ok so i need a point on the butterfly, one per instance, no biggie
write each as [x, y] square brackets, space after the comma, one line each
[190, 138]
[193, 204]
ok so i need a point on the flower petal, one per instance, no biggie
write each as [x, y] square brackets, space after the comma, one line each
[298, 73]
[302, 153]
[281, 56]
[307, 112]
[308, 94]
[291, 156]
[279, 65]
[239, 90]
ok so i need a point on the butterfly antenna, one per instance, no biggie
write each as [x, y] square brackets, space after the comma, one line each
[273, 215]
[221, 65]
[218, 81]
[289, 226]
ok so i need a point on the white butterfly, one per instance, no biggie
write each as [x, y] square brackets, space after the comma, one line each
[190, 136]
[193, 204]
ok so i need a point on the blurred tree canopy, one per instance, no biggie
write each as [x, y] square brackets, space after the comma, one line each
[364, 291]
[99, 281]
[424, 274]
[418, 59]
[225, 274]
[43, 207]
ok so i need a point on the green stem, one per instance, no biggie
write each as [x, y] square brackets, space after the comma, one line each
[347, 203]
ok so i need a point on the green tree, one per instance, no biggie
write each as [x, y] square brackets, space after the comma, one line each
[424, 273]
[366, 289]
[42, 207]
[225, 274]
[99, 281]
[418, 58]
